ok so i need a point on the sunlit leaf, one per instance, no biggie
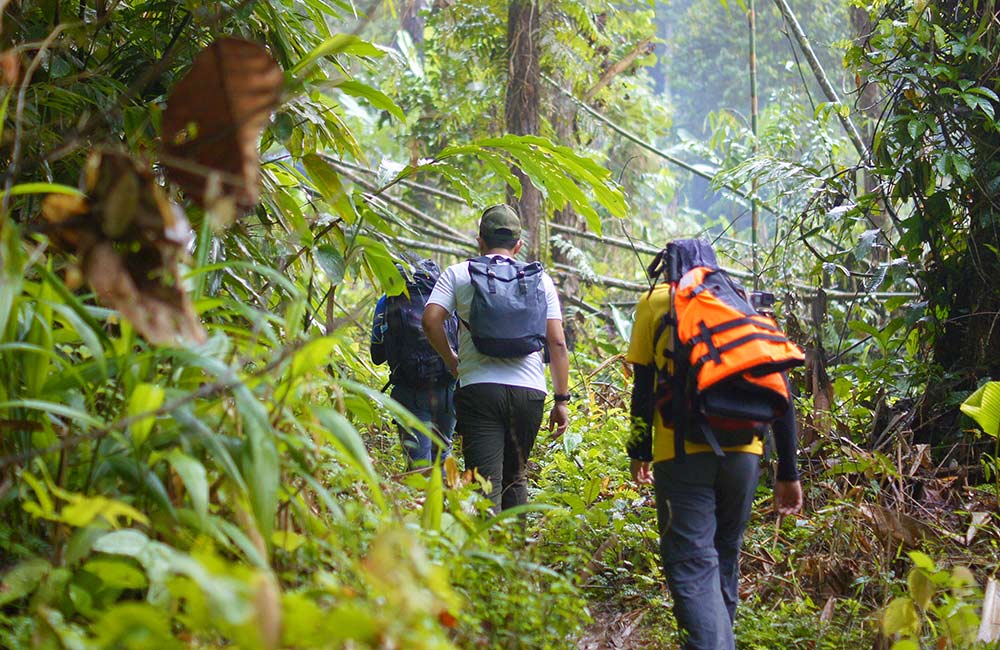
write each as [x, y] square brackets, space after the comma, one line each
[145, 398]
[117, 574]
[983, 406]
[44, 188]
[434, 500]
[921, 588]
[339, 43]
[375, 97]
[900, 616]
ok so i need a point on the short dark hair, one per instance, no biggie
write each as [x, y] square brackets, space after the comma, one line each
[500, 240]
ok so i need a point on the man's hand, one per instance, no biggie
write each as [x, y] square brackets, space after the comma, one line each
[641, 472]
[452, 363]
[558, 419]
[787, 497]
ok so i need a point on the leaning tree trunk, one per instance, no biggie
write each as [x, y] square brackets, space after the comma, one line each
[412, 21]
[523, 85]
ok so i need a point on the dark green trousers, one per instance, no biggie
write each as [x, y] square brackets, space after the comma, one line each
[498, 425]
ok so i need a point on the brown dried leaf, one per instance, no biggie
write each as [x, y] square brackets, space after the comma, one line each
[214, 118]
[10, 67]
[60, 208]
[162, 314]
[129, 238]
[897, 526]
[453, 477]
[66, 221]
[827, 614]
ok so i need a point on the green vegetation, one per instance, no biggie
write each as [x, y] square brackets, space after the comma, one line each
[194, 451]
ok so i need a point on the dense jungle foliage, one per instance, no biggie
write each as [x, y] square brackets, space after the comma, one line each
[202, 201]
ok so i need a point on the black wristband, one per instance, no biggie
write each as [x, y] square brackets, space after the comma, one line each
[560, 398]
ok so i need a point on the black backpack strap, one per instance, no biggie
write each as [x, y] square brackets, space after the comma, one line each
[680, 406]
[710, 438]
[728, 325]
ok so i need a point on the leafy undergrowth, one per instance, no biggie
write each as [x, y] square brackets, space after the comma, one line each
[584, 570]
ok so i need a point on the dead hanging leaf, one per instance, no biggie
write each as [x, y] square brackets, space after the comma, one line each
[161, 313]
[214, 118]
[130, 238]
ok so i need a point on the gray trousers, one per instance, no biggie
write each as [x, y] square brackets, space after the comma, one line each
[498, 425]
[702, 507]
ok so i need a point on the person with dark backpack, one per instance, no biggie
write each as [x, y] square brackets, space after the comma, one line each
[509, 312]
[709, 382]
[419, 378]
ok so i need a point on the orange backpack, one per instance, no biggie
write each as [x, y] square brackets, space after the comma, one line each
[726, 384]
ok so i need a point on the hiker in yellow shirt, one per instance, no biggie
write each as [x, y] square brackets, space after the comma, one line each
[703, 500]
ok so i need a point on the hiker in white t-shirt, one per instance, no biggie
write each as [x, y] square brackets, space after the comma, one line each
[509, 311]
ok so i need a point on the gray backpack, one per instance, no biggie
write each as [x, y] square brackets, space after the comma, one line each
[507, 318]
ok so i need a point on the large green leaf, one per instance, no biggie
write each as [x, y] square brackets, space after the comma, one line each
[195, 480]
[231, 597]
[342, 435]
[900, 616]
[338, 44]
[23, 579]
[983, 406]
[382, 266]
[331, 261]
[327, 181]
[142, 403]
[375, 97]
[434, 501]
[11, 270]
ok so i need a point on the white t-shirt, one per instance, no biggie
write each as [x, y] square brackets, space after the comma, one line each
[454, 292]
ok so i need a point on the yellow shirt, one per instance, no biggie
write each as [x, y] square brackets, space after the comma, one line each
[648, 314]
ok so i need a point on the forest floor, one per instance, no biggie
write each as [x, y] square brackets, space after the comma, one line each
[823, 578]
[614, 629]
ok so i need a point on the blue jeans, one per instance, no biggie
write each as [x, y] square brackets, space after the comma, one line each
[435, 406]
[702, 507]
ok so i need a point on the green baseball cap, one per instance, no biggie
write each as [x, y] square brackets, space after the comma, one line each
[500, 221]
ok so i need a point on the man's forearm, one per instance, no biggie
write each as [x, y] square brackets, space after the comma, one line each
[559, 367]
[433, 324]
[555, 339]
[640, 443]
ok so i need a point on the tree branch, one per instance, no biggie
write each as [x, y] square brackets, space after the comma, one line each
[641, 49]
[824, 81]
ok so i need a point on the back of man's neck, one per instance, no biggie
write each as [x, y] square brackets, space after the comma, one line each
[499, 251]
